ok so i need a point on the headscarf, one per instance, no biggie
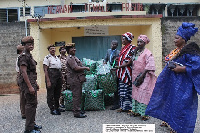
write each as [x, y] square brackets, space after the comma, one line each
[144, 38]
[128, 35]
[186, 30]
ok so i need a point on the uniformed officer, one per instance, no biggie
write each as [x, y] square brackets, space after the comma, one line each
[20, 49]
[28, 84]
[53, 79]
[75, 78]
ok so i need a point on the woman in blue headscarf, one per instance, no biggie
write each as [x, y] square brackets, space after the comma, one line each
[174, 99]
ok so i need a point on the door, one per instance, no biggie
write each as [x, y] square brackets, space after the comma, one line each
[94, 47]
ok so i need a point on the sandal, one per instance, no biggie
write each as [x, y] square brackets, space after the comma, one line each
[164, 124]
[145, 118]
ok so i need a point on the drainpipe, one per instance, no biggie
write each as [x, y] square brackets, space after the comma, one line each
[26, 26]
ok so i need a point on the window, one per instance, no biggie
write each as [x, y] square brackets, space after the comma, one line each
[78, 8]
[114, 7]
[40, 11]
[8, 15]
[182, 10]
[27, 11]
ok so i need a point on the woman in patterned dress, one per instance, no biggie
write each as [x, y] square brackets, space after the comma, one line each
[124, 73]
[63, 59]
[143, 68]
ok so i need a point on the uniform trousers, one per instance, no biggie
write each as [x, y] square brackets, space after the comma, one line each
[30, 108]
[77, 95]
[22, 103]
[53, 93]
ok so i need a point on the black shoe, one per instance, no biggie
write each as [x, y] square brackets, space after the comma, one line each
[37, 127]
[114, 108]
[62, 106]
[23, 117]
[61, 110]
[55, 112]
[80, 116]
[32, 131]
[82, 112]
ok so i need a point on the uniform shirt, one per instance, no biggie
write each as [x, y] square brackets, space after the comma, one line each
[52, 61]
[73, 77]
[26, 59]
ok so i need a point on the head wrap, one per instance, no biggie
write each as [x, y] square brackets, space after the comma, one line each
[144, 38]
[186, 30]
[27, 39]
[128, 35]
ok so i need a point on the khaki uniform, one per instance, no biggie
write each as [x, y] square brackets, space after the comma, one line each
[26, 59]
[75, 80]
[22, 96]
[55, 76]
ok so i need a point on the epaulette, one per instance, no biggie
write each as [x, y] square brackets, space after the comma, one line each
[70, 56]
[47, 56]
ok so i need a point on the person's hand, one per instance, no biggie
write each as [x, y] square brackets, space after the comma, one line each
[32, 90]
[38, 87]
[48, 84]
[87, 68]
[179, 69]
[113, 69]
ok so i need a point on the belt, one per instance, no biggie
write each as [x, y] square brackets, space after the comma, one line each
[55, 69]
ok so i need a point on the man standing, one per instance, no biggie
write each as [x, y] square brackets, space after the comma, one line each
[111, 57]
[53, 79]
[28, 84]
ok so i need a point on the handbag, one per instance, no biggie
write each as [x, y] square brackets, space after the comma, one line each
[171, 65]
[137, 82]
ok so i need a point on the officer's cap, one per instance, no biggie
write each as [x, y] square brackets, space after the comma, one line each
[27, 39]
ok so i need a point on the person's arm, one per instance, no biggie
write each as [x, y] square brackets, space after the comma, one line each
[179, 69]
[80, 69]
[26, 79]
[126, 64]
[106, 58]
[45, 67]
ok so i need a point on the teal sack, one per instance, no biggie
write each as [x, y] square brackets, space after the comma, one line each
[94, 100]
[68, 99]
[107, 82]
[91, 83]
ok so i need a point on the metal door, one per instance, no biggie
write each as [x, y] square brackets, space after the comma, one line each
[94, 47]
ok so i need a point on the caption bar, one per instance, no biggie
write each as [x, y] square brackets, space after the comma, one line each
[128, 128]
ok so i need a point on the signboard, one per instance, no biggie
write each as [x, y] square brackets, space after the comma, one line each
[96, 31]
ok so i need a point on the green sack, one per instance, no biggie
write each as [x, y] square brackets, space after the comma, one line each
[68, 99]
[91, 64]
[91, 82]
[107, 82]
[94, 100]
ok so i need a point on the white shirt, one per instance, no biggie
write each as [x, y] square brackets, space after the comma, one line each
[52, 61]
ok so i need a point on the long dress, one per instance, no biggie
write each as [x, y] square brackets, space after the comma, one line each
[141, 95]
[124, 76]
[174, 99]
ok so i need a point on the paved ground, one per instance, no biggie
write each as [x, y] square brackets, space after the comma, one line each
[11, 121]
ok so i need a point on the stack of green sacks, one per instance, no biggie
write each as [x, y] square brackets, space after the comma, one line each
[100, 82]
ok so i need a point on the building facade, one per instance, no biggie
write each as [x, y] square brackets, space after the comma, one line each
[93, 24]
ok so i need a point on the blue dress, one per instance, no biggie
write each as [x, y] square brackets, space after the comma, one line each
[174, 99]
